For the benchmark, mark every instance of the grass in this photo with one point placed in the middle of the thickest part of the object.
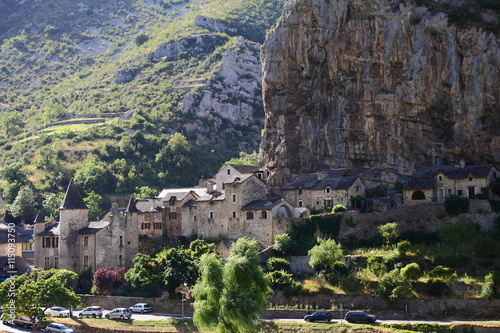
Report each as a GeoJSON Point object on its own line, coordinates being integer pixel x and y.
{"type": "Point", "coordinates": [186, 325]}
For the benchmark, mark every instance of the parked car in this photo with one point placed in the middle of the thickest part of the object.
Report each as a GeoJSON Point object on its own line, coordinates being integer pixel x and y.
{"type": "Point", "coordinates": [57, 311]}
{"type": "Point", "coordinates": [91, 311]}
{"type": "Point", "coordinates": [359, 317]}
{"type": "Point", "coordinates": [119, 313]}
{"type": "Point", "coordinates": [56, 327]}
{"type": "Point", "coordinates": [140, 307]}
{"type": "Point", "coordinates": [24, 321]}
{"type": "Point", "coordinates": [319, 316]}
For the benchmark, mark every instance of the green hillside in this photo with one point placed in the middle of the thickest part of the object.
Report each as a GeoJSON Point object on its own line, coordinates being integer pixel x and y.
{"type": "Point", "coordinates": [61, 107]}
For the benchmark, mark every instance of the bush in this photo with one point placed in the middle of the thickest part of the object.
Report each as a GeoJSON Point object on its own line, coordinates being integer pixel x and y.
{"type": "Point", "coordinates": [440, 272]}
{"type": "Point", "coordinates": [411, 272]}
{"type": "Point", "coordinates": [491, 285]}
{"type": "Point", "coordinates": [376, 267]}
{"type": "Point", "coordinates": [281, 280]}
{"type": "Point", "coordinates": [338, 209]}
{"type": "Point", "coordinates": [338, 272]}
{"type": "Point", "coordinates": [278, 264]}
{"type": "Point", "coordinates": [437, 288]}
{"type": "Point", "coordinates": [389, 232]}
{"type": "Point", "coordinates": [456, 205]}
{"type": "Point", "coordinates": [403, 247]}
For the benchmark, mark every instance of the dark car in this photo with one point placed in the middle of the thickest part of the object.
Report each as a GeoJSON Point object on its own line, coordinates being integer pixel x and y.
{"type": "Point", "coordinates": [319, 316]}
{"type": "Point", "coordinates": [359, 317]}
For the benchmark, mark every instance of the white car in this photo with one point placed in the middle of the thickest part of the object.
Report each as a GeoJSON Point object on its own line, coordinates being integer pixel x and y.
{"type": "Point", "coordinates": [140, 307]}
{"type": "Point", "coordinates": [56, 327]}
{"type": "Point", "coordinates": [119, 313]}
{"type": "Point", "coordinates": [91, 311]}
{"type": "Point", "coordinates": [57, 311]}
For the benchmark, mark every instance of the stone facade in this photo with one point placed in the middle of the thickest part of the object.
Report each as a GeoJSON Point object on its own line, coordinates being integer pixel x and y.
{"type": "Point", "coordinates": [75, 243]}
{"type": "Point", "coordinates": [435, 184]}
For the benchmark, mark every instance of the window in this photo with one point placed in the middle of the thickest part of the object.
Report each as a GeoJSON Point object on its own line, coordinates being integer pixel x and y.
{"type": "Point", "coordinates": [85, 261]}
{"type": "Point", "coordinates": [328, 203]}
{"type": "Point", "coordinates": [263, 214]}
{"type": "Point", "coordinates": [234, 215]}
{"type": "Point", "coordinates": [172, 201]}
{"type": "Point", "coordinates": [28, 246]}
{"type": "Point", "coordinates": [55, 242]}
{"type": "Point", "coordinates": [357, 188]}
{"type": "Point", "coordinates": [56, 262]}
{"type": "Point", "coordinates": [157, 226]}
{"type": "Point", "coordinates": [440, 178]}
{"type": "Point", "coordinates": [46, 242]}
{"type": "Point", "coordinates": [47, 262]}
{"type": "Point", "coordinates": [121, 241]}
{"type": "Point", "coordinates": [120, 260]}
{"type": "Point", "coordinates": [145, 225]}
{"type": "Point", "coordinates": [228, 171]}
{"type": "Point", "coordinates": [223, 186]}
{"type": "Point", "coordinates": [300, 203]}
{"type": "Point", "coordinates": [328, 189]}
{"type": "Point", "coordinates": [211, 215]}
{"type": "Point", "coordinates": [299, 191]}
{"type": "Point", "coordinates": [460, 192]}
{"type": "Point", "coordinates": [470, 178]}
{"type": "Point", "coordinates": [234, 197]}
{"type": "Point", "coordinates": [85, 241]}
{"type": "Point", "coordinates": [249, 215]}
{"type": "Point", "coordinates": [172, 215]}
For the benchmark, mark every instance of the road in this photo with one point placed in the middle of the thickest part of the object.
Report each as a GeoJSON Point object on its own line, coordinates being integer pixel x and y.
{"type": "Point", "coordinates": [156, 316]}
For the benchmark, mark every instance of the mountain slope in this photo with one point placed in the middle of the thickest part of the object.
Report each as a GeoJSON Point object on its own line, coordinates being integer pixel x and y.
{"type": "Point", "coordinates": [118, 79]}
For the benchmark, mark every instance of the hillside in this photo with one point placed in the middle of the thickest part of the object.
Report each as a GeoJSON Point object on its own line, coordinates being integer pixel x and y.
{"type": "Point", "coordinates": [113, 82]}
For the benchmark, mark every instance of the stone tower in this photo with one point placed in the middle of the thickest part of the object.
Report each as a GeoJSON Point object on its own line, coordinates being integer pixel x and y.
{"type": "Point", "coordinates": [73, 216]}
{"type": "Point", "coordinates": [132, 235]}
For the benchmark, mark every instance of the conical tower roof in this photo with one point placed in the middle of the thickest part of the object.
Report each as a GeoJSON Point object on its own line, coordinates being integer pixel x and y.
{"type": "Point", "coordinates": [72, 198]}
{"type": "Point", "coordinates": [39, 217]}
{"type": "Point", "coordinates": [132, 208]}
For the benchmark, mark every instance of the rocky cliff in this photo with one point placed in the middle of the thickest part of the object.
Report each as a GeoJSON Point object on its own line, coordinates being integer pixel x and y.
{"type": "Point", "coordinates": [377, 83]}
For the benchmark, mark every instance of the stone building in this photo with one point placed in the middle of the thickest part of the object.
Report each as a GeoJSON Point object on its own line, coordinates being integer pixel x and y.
{"type": "Point", "coordinates": [75, 243]}
{"type": "Point", "coordinates": [325, 189]}
{"type": "Point", "coordinates": [435, 184]}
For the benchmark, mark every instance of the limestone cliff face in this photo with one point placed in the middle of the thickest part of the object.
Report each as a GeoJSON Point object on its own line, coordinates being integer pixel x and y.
{"type": "Point", "coordinates": [377, 83]}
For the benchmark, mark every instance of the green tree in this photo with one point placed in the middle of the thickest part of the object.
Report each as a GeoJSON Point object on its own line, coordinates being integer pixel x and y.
{"type": "Point", "coordinates": [11, 123]}
{"type": "Point", "coordinates": [245, 159]}
{"type": "Point", "coordinates": [199, 247]}
{"type": "Point", "coordinates": [35, 292]}
{"type": "Point", "coordinates": [51, 205]}
{"type": "Point", "coordinates": [327, 259]}
{"type": "Point", "coordinates": [411, 272]}
{"type": "Point", "coordinates": [145, 192]}
{"type": "Point", "coordinates": [389, 232]}
{"type": "Point", "coordinates": [176, 267]}
{"type": "Point", "coordinates": [93, 202]}
{"type": "Point", "coordinates": [231, 298]}
{"type": "Point", "coordinates": [144, 273]}
{"type": "Point", "coordinates": [94, 176]}
{"type": "Point", "coordinates": [24, 204]}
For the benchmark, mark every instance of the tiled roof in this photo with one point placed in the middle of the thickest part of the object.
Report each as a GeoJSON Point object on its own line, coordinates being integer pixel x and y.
{"type": "Point", "coordinates": [149, 205]}
{"type": "Point", "coordinates": [420, 184]}
{"type": "Point", "coordinates": [72, 198]}
{"type": "Point", "coordinates": [239, 178]}
{"type": "Point", "coordinates": [180, 193]}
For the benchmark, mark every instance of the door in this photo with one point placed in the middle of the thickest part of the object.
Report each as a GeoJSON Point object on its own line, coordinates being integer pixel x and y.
{"type": "Point", "coordinates": [441, 194]}
{"type": "Point", "coordinates": [472, 192]}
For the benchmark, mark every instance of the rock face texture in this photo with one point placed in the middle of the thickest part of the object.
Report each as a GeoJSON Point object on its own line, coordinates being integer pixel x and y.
{"type": "Point", "coordinates": [377, 83]}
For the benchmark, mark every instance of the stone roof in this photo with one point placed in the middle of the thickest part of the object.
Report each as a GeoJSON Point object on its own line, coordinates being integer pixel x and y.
{"type": "Point", "coordinates": [420, 183]}
{"type": "Point", "coordinates": [242, 168]}
{"type": "Point", "coordinates": [239, 178]}
{"type": "Point", "coordinates": [51, 229]}
{"type": "Point", "coordinates": [72, 198]}
{"type": "Point", "coordinates": [262, 204]}
{"type": "Point", "coordinates": [149, 205]}
{"type": "Point", "coordinates": [21, 266]}
{"type": "Point", "coordinates": [94, 227]}
{"type": "Point", "coordinates": [334, 178]}
{"type": "Point", "coordinates": [423, 178]}
{"type": "Point", "coordinates": [23, 235]}
{"type": "Point", "coordinates": [132, 208]}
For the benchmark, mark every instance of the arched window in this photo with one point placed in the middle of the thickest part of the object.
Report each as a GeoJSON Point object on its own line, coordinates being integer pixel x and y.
{"type": "Point", "coordinates": [418, 195]}
{"type": "Point", "coordinates": [249, 215]}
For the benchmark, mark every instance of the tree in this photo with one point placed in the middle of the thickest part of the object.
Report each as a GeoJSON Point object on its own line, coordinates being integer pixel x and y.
{"type": "Point", "coordinates": [51, 205]}
{"type": "Point", "coordinates": [176, 267]}
{"type": "Point", "coordinates": [11, 123]}
{"type": "Point", "coordinates": [144, 273]}
{"type": "Point", "coordinates": [141, 39]}
{"type": "Point", "coordinates": [145, 192]}
{"type": "Point", "coordinates": [37, 291]}
{"type": "Point", "coordinates": [107, 280]}
{"type": "Point", "coordinates": [455, 205]}
{"type": "Point", "coordinates": [389, 232]}
{"type": "Point", "coordinates": [94, 176]}
{"type": "Point", "coordinates": [231, 297]}
{"type": "Point", "coordinates": [24, 204]}
{"type": "Point", "coordinates": [93, 202]}
{"type": "Point", "coordinates": [327, 259]}
{"type": "Point", "coordinates": [411, 272]}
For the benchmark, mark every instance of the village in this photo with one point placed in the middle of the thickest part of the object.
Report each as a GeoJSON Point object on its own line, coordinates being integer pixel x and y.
{"type": "Point", "coordinates": [234, 203]}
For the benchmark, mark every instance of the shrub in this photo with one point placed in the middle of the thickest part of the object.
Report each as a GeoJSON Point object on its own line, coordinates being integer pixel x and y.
{"type": "Point", "coordinates": [411, 272]}
{"type": "Point", "coordinates": [278, 264]}
{"type": "Point", "coordinates": [491, 285]}
{"type": "Point", "coordinates": [338, 272]}
{"type": "Point", "coordinates": [403, 247]}
{"type": "Point", "coordinates": [338, 209]}
{"type": "Point", "coordinates": [389, 232]}
{"type": "Point", "coordinates": [437, 287]}
{"type": "Point", "coordinates": [376, 267]}
{"type": "Point", "coordinates": [440, 272]}
{"type": "Point", "coordinates": [281, 280]}
{"type": "Point", "coordinates": [456, 205]}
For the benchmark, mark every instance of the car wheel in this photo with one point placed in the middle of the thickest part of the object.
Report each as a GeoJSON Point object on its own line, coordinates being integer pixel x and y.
{"type": "Point", "coordinates": [142, 311]}
{"type": "Point", "coordinates": [100, 316]}
{"type": "Point", "coordinates": [107, 316]}
{"type": "Point", "coordinates": [93, 315]}
{"type": "Point", "coordinates": [49, 331]}
{"type": "Point", "coordinates": [122, 317]}
{"type": "Point", "coordinates": [26, 326]}
{"type": "Point", "coordinates": [80, 316]}
{"type": "Point", "coordinates": [327, 320]}
{"type": "Point", "coordinates": [349, 320]}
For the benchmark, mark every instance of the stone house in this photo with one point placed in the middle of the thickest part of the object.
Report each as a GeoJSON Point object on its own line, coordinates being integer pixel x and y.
{"type": "Point", "coordinates": [325, 190]}
{"type": "Point", "coordinates": [435, 184]}
{"type": "Point", "coordinates": [75, 243]}
{"type": "Point", "coordinates": [12, 246]}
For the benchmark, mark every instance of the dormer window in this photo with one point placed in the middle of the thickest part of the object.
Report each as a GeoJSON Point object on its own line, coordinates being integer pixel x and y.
{"type": "Point", "coordinates": [328, 189]}
{"type": "Point", "coordinates": [470, 178]}
{"type": "Point", "coordinates": [172, 201]}
{"type": "Point", "coordinates": [299, 191]}
{"type": "Point", "coordinates": [440, 178]}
